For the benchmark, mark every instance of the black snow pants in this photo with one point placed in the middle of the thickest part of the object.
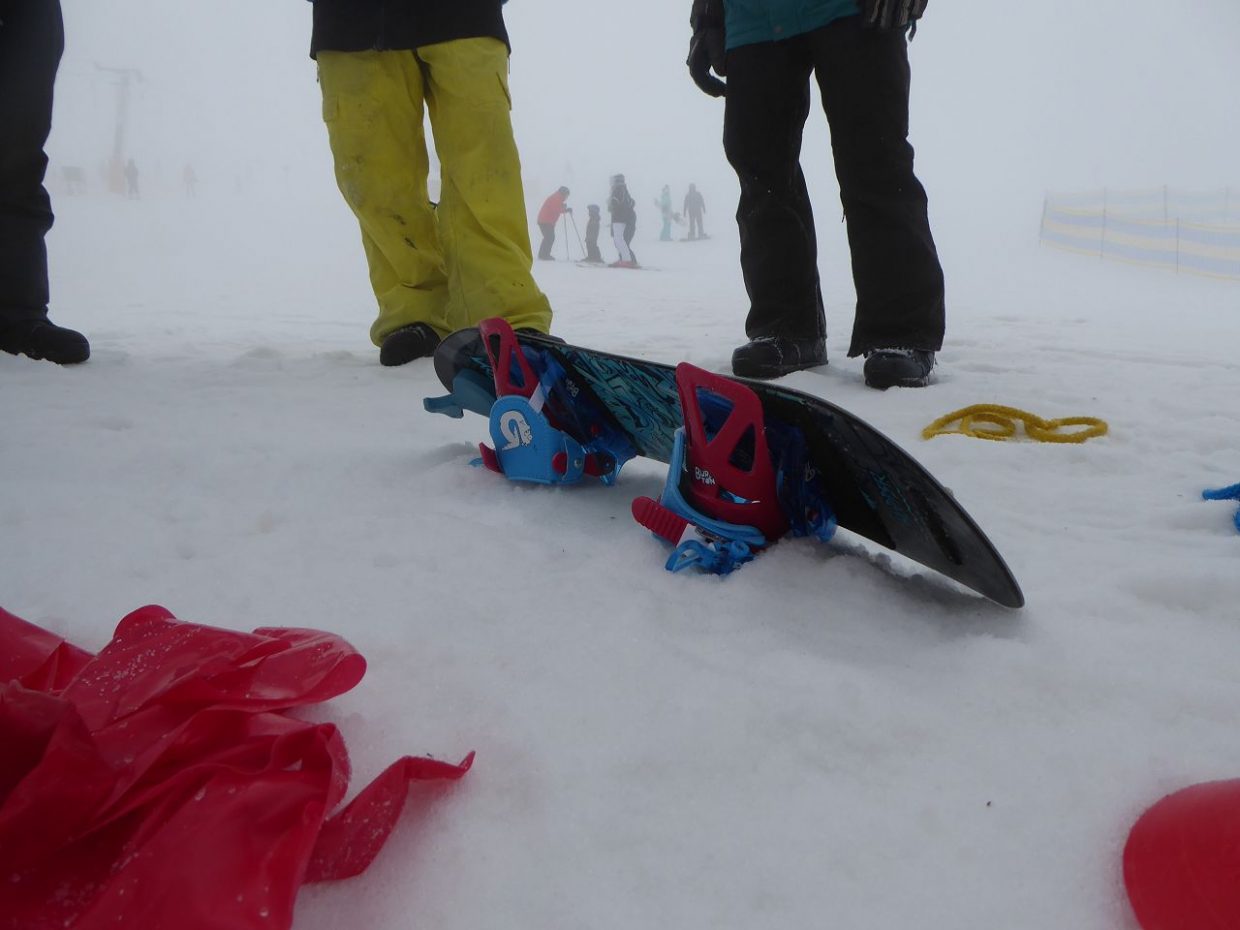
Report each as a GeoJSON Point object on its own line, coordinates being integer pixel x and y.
{"type": "Point", "coordinates": [863, 76]}
{"type": "Point", "coordinates": [31, 42]}
{"type": "Point", "coordinates": [548, 239]}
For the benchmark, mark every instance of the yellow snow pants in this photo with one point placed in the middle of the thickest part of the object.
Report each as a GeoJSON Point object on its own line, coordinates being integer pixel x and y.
{"type": "Point", "coordinates": [469, 258]}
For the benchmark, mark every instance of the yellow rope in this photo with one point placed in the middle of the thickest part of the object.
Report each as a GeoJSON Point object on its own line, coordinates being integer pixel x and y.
{"type": "Point", "coordinates": [993, 421]}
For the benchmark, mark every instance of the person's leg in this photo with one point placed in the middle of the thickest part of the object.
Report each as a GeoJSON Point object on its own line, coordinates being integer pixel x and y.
{"type": "Point", "coordinates": [31, 41]}
{"type": "Point", "coordinates": [619, 235]}
{"type": "Point", "coordinates": [548, 240]}
{"type": "Point", "coordinates": [864, 78]}
{"type": "Point", "coordinates": [592, 252]}
{"type": "Point", "coordinates": [482, 218]}
{"type": "Point", "coordinates": [766, 107]}
{"type": "Point", "coordinates": [372, 106]}
{"type": "Point", "coordinates": [630, 230]}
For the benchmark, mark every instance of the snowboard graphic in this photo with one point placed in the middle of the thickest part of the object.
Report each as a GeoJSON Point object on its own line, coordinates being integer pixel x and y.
{"type": "Point", "coordinates": [874, 488]}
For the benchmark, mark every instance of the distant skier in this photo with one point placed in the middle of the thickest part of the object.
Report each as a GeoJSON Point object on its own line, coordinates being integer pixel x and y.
{"type": "Point", "coordinates": [664, 203]}
{"type": "Point", "coordinates": [593, 255]}
{"type": "Point", "coordinates": [695, 209]}
{"type": "Point", "coordinates": [553, 208]}
{"type": "Point", "coordinates": [623, 210]}
{"type": "Point", "coordinates": [131, 180]}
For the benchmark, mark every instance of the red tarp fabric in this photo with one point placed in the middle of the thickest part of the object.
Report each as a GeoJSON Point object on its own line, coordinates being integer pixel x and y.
{"type": "Point", "coordinates": [1182, 860]}
{"type": "Point", "coordinates": [161, 783]}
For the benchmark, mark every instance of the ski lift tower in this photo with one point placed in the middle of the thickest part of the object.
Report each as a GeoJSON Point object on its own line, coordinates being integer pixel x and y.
{"type": "Point", "coordinates": [124, 78]}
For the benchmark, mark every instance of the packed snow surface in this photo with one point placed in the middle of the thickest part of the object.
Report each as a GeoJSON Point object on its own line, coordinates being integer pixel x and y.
{"type": "Point", "coordinates": [830, 736]}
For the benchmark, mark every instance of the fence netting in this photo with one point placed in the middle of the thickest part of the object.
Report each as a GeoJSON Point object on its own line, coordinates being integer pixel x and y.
{"type": "Point", "coordinates": [1192, 232]}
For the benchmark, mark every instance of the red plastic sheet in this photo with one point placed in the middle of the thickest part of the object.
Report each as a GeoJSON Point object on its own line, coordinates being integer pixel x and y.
{"type": "Point", "coordinates": [1182, 860]}
{"type": "Point", "coordinates": [161, 783]}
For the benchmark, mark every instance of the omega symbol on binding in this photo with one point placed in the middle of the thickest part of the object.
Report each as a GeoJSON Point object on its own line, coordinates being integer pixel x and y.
{"type": "Point", "coordinates": [515, 429]}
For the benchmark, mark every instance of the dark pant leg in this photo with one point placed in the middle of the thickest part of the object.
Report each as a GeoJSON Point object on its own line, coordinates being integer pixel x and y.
{"type": "Point", "coordinates": [31, 42]}
{"type": "Point", "coordinates": [766, 106]}
{"type": "Point", "coordinates": [630, 230]}
{"type": "Point", "coordinates": [548, 239]}
{"type": "Point", "coordinates": [864, 78]}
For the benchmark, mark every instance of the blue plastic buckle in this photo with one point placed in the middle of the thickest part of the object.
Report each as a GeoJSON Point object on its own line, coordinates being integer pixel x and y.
{"type": "Point", "coordinates": [1230, 493]}
{"type": "Point", "coordinates": [717, 556]}
{"type": "Point", "coordinates": [529, 448]}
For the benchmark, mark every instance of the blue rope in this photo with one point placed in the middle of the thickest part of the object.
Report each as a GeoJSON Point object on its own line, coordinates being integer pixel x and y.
{"type": "Point", "coordinates": [1231, 493]}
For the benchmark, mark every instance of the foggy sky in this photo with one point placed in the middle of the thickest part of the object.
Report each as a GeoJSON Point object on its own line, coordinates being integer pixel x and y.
{"type": "Point", "coordinates": [1009, 99]}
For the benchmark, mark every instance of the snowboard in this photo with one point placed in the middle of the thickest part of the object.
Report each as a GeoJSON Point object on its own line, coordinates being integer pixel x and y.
{"type": "Point", "coordinates": [875, 488]}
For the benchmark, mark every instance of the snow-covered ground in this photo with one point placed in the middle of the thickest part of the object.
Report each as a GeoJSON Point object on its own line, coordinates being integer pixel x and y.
{"type": "Point", "coordinates": [824, 739]}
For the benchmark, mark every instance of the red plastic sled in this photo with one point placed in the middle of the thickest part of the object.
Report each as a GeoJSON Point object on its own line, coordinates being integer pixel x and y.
{"type": "Point", "coordinates": [1182, 860]}
{"type": "Point", "coordinates": [162, 783]}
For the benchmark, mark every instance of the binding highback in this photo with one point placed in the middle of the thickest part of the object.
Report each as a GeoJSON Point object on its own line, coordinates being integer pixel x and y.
{"type": "Point", "coordinates": [729, 474]}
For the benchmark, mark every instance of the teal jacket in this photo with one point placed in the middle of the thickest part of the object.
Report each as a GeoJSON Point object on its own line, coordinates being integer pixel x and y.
{"type": "Point", "coordinates": [750, 21]}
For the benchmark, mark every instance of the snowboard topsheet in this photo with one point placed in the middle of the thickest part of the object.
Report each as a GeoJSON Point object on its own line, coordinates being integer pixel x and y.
{"type": "Point", "coordinates": [876, 489]}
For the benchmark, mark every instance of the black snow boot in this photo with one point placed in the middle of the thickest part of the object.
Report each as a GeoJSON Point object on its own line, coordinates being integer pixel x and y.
{"type": "Point", "coordinates": [401, 346]}
{"type": "Point", "coordinates": [773, 356]}
{"type": "Point", "coordinates": [43, 339]}
{"type": "Point", "coordinates": [886, 368]}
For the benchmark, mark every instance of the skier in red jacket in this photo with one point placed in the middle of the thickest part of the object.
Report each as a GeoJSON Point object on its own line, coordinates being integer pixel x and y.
{"type": "Point", "coordinates": [553, 208]}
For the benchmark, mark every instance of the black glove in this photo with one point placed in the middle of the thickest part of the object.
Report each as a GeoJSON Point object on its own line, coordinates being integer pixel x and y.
{"type": "Point", "coordinates": [707, 47]}
{"type": "Point", "coordinates": [892, 14]}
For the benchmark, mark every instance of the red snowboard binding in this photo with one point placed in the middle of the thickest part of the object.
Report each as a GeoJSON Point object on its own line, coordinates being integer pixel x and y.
{"type": "Point", "coordinates": [720, 505]}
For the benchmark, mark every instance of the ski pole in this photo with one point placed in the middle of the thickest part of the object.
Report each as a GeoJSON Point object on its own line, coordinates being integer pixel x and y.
{"type": "Point", "coordinates": [564, 229]}
{"type": "Point", "coordinates": [580, 244]}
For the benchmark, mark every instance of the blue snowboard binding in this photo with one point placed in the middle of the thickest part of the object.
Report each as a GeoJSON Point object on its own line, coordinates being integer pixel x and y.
{"type": "Point", "coordinates": [544, 429]}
